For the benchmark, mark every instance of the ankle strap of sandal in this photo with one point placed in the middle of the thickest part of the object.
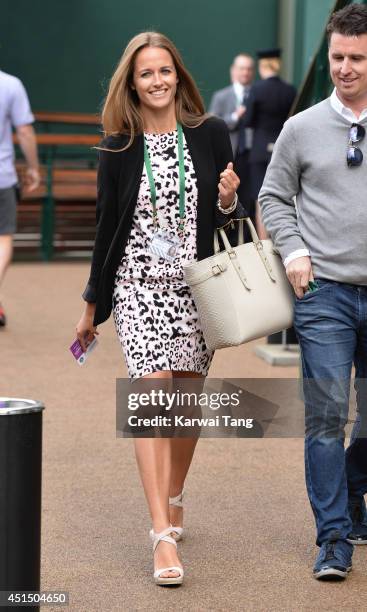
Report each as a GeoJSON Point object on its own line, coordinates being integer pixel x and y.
{"type": "Point", "coordinates": [178, 530]}
{"type": "Point", "coordinates": [177, 501]}
{"type": "Point", "coordinates": [162, 536]}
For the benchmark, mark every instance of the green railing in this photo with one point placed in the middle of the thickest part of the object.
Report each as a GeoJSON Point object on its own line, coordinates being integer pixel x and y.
{"type": "Point", "coordinates": [317, 84]}
{"type": "Point", "coordinates": [48, 154]}
{"type": "Point", "coordinates": [65, 156]}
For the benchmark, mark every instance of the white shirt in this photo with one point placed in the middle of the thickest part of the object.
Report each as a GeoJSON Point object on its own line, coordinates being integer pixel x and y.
{"type": "Point", "coordinates": [348, 114]}
{"type": "Point", "coordinates": [344, 111]}
{"type": "Point", "coordinates": [239, 90]}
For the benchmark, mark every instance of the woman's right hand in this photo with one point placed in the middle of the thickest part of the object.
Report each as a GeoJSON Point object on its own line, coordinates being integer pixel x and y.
{"type": "Point", "coordinates": [85, 330]}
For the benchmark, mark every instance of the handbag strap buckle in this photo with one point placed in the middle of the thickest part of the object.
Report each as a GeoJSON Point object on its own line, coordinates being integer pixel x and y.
{"type": "Point", "coordinates": [218, 269]}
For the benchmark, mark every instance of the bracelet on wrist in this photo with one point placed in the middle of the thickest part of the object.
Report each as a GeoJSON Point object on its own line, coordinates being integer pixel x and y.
{"type": "Point", "coordinates": [230, 208]}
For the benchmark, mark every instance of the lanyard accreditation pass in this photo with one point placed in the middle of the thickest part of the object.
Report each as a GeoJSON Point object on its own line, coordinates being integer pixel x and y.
{"type": "Point", "coordinates": [181, 170]}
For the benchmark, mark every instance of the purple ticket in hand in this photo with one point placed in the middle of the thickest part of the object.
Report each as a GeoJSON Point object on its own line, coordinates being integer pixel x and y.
{"type": "Point", "coordinates": [79, 354]}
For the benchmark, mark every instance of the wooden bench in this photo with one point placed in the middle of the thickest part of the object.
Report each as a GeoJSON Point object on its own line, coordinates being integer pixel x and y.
{"type": "Point", "coordinates": [62, 184]}
{"type": "Point", "coordinates": [67, 183]}
{"type": "Point", "coordinates": [72, 222]}
{"type": "Point", "coordinates": [68, 118]}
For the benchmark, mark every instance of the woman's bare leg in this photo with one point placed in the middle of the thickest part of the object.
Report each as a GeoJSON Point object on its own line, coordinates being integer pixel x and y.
{"type": "Point", "coordinates": [153, 457]}
{"type": "Point", "coordinates": [182, 451]}
{"type": "Point", "coordinates": [6, 251]}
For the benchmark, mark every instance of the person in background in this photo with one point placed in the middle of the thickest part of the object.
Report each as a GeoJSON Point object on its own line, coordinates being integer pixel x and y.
{"type": "Point", "coordinates": [15, 112]}
{"type": "Point", "coordinates": [320, 158]}
{"type": "Point", "coordinates": [267, 108]}
{"type": "Point", "coordinates": [230, 104]}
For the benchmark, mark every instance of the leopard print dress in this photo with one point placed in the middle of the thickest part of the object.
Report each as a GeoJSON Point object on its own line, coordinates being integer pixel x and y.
{"type": "Point", "coordinates": [155, 316]}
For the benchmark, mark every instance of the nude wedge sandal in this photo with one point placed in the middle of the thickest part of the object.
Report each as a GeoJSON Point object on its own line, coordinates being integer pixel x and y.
{"type": "Point", "coordinates": [158, 578]}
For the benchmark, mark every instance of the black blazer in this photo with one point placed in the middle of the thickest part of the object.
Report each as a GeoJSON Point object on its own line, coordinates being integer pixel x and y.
{"type": "Point", "coordinates": [267, 108]}
{"type": "Point", "coordinates": [118, 183]}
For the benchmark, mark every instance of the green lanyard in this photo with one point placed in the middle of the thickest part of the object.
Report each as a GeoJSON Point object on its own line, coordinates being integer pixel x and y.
{"type": "Point", "coordinates": [181, 170]}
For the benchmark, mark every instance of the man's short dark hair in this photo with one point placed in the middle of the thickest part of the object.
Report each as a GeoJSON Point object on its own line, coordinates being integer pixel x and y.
{"type": "Point", "coordinates": [349, 21]}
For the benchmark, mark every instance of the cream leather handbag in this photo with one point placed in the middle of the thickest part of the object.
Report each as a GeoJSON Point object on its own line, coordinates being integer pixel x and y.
{"type": "Point", "coordinates": [242, 292]}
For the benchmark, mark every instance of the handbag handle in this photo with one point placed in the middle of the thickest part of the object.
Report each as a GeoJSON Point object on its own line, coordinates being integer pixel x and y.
{"type": "Point", "coordinates": [256, 241]}
{"type": "Point", "coordinates": [240, 234]}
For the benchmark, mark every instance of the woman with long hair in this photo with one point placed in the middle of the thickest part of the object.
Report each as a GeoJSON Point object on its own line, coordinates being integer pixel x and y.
{"type": "Point", "coordinates": [165, 181]}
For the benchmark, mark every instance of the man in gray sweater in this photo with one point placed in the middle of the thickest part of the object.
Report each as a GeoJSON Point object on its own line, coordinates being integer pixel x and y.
{"type": "Point", "coordinates": [314, 205]}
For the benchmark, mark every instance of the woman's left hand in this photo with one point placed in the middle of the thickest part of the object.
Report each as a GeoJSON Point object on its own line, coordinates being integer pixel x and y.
{"type": "Point", "coordinates": [228, 185]}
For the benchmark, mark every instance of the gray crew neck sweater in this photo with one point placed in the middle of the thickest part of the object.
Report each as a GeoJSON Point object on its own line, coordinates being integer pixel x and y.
{"type": "Point", "coordinates": [309, 162]}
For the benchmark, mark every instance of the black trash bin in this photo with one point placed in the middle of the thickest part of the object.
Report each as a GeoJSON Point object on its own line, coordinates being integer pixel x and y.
{"type": "Point", "coordinates": [20, 495]}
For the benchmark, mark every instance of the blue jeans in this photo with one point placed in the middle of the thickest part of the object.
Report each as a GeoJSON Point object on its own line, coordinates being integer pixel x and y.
{"type": "Point", "coordinates": [331, 325]}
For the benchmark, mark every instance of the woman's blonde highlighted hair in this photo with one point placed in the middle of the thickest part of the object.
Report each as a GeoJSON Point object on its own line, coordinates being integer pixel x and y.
{"type": "Point", "coordinates": [270, 63]}
{"type": "Point", "coordinates": [121, 113]}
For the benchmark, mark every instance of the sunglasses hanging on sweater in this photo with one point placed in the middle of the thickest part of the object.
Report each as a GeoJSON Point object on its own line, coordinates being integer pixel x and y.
{"type": "Point", "coordinates": [354, 154]}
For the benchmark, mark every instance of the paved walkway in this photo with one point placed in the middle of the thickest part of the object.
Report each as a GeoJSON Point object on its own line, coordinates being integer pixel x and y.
{"type": "Point", "coordinates": [250, 533]}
